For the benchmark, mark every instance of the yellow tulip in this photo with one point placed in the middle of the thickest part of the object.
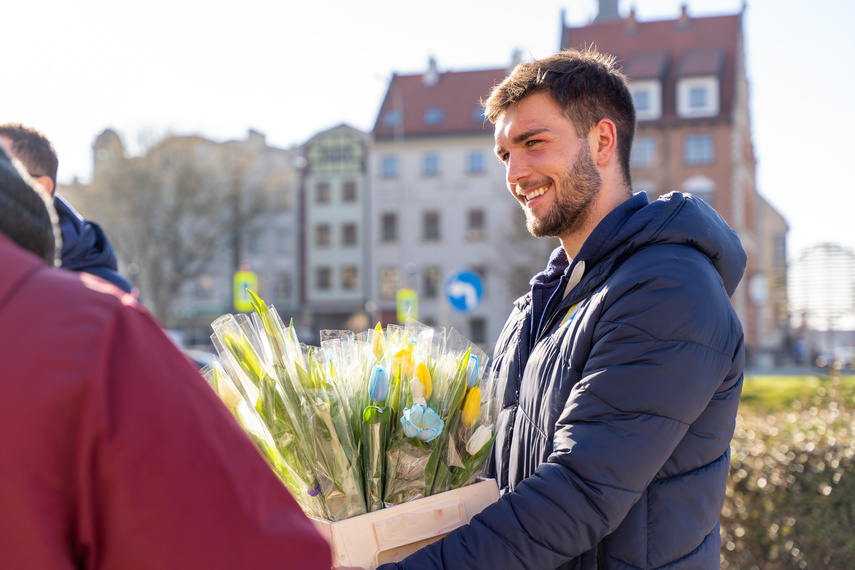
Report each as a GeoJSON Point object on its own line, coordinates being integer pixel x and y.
{"type": "Point", "coordinates": [471, 407]}
{"type": "Point", "coordinates": [378, 346]}
{"type": "Point", "coordinates": [423, 374]}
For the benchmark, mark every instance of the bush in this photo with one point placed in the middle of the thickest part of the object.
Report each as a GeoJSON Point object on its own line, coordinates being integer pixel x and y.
{"type": "Point", "coordinates": [791, 495]}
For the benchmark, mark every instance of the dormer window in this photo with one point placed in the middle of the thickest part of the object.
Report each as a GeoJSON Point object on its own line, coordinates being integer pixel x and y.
{"type": "Point", "coordinates": [697, 97]}
{"type": "Point", "coordinates": [434, 115]}
{"type": "Point", "coordinates": [393, 118]}
{"type": "Point", "coordinates": [647, 96]}
{"type": "Point", "coordinates": [698, 82]}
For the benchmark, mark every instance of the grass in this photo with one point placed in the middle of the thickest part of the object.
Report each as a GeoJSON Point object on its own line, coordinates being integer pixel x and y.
{"type": "Point", "coordinates": [773, 393]}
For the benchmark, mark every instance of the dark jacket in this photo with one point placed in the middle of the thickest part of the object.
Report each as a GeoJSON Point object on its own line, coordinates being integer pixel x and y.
{"type": "Point", "coordinates": [85, 246]}
{"type": "Point", "coordinates": [618, 402]}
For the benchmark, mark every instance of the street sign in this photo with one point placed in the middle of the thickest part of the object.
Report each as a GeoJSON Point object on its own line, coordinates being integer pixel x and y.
{"type": "Point", "coordinates": [244, 280]}
{"type": "Point", "coordinates": [464, 291]}
{"type": "Point", "coordinates": [407, 301]}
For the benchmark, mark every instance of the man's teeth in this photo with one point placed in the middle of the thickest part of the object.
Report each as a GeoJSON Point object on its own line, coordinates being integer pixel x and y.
{"type": "Point", "coordinates": [534, 193]}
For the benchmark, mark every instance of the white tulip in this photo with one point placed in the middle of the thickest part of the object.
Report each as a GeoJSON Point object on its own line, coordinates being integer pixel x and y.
{"type": "Point", "coordinates": [478, 439]}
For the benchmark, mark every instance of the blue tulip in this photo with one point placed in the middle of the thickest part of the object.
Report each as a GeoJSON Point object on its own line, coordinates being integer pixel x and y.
{"type": "Point", "coordinates": [378, 385]}
{"type": "Point", "coordinates": [422, 422]}
{"type": "Point", "coordinates": [472, 371]}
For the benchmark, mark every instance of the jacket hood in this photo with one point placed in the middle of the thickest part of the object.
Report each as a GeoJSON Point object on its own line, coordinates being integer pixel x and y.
{"type": "Point", "coordinates": [674, 218]}
{"type": "Point", "coordinates": [84, 243]}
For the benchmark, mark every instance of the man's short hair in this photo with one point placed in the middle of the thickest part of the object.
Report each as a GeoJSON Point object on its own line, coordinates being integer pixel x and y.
{"type": "Point", "coordinates": [588, 85]}
{"type": "Point", "coordinates": [27, 215]}
{"type": "Point", "coordinates": [33, 149]}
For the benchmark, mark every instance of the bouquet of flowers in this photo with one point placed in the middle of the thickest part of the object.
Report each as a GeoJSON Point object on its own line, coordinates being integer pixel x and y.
{"type": "Point", "coordinates": [365, 421]}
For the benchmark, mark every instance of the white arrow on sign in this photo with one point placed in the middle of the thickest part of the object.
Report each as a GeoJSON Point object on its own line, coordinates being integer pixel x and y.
{"type": "Point", "coordinates": [465, 290]}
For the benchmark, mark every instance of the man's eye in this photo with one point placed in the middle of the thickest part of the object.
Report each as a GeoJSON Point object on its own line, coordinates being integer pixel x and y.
{"type": "Point", "coordinates": [532, 142]}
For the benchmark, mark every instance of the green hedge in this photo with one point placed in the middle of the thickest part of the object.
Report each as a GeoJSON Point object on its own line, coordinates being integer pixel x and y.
{"type": "Point", "coordinates": [791, 495]}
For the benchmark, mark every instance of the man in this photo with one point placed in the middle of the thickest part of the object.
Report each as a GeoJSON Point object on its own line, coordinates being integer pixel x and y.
{"type": "Point", "coordinates": [115, 452]}
{"type": "Point", "coordinates": [620, 372]}
{"type": "Point", "coordinates": [85, 246]}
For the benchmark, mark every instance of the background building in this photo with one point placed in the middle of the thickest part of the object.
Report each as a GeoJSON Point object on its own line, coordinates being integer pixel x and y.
{"type": "Point", "coordinates": [691, 92]}
{"type": "Point", "coordinates": [440, 204]}
{"type": "Point", "coordinates": [334, 227]}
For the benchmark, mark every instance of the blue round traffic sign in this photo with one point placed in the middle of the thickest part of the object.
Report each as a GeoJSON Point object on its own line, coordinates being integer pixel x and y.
{"type": "Point", "coordinates": [464, 290]}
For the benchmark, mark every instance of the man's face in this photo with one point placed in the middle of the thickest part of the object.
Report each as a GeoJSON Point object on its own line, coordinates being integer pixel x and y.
{"type": "Point", "coordinates": [549, 168]}
{"type": "Point", "coordinates": [43, 180]}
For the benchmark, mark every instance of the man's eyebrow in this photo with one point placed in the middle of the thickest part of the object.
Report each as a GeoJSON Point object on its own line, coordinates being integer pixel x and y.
{"type": "Point", "coordinates": [520, 138]}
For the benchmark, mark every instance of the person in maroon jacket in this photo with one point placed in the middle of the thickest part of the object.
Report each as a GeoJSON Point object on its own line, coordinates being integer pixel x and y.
{"type": "Point", "coordinates": [115, 452]}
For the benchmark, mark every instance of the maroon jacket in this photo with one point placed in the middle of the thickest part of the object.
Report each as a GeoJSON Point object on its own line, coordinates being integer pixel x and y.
{"type": "Point", "coordinates": [114, 452]}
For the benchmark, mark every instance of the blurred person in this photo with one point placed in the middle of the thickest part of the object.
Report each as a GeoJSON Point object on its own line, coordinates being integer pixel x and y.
{"type": "Point", "coordinates": [85, 246]}
{"type": "Point", "coordinates": [620, 372]}
{"type": "Point", "coordinates": [116, 453]}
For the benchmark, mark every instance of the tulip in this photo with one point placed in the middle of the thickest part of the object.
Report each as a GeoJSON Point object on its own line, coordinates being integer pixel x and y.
{"type": "Point", "coordinates": [404, 358]}
{"type": "Point", "coordinates": [471, 407]}
{"type": "Point", "coordinates": [378, 346]}
{"type": "Point", "coordinates": [378, 385]}
{"type": "Point", "coordinates": [422, 422]}
{"type": "Point", "coordinates": [417, 390]}
{"type": "Point", "coordinates": [423, 375]}
{"type": "Point", "coordinates": [478, 439]}
{"type": "Point", "coordinates": [472, 371]}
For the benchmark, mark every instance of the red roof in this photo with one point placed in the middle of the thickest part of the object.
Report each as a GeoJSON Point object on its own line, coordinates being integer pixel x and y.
{"type": "Point", "coordinates": [450, 106]}
{"type": "Point", "coordinates": [668, 50]}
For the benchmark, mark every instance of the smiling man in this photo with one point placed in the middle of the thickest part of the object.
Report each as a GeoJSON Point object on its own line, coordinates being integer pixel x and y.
{"type": "Point", "coordinates": [620, 371]}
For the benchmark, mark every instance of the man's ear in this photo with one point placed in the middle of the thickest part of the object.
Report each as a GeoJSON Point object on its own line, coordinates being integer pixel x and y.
{"type": "Point", "coordinates": [46, 183]}
{"type": "Point", "coordinates": [604, 141]}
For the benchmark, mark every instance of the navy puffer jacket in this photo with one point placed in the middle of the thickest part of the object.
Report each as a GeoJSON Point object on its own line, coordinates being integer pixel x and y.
{"type": "Point", "coordinates": [618, 402]}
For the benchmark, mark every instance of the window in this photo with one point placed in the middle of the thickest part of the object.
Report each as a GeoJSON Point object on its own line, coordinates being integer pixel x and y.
{"type": "Point", "coordinates": [642, 100]}
{"type": "Point", "coordinates": [323, 278]}
{"type": "Point", "coordinates": [430, 164]}
{"type": "Point", "coordinates": [348, 234]}
{"type": "Point", "coordinates": [475, 162]}
{"type": "Point", "coordinates": [478, 329]}
{"type": "Point", "coordinates": [698, 149]}
{"type": "Point", "coordinates": [643, 152]}
{"type": "Point", "coordinates": [434, 115]}
{"type": "Point", "coordinates": [348, 191]}
{"type": "Point", "coordinates": [475, 226]}
{"type": "Point", "coordinates": [283, 286]}
{"type": "Point", "coordinates": [430, 226]}
{"type": "Point", "coordinates": [283, 241]}
{"type": "Point", "coordinates": [478, 114]}
{"type": "Point", "coordinates": [647, 96]}
{"type": "Point", "coordinates": [388, 282]}
{"type": "Point", "coordinates": [389, 227]}
{"type": "Point", "coordinates": [322, 193]}
{"type": "Point", "coordinates": [393, 118]}
{"type": "Point", "coordinates": [254, 241]}
{"type": "Point", "coordinates": [389, 167]}
{"type": "Point", "coordinates": [697, 97]}
{"type": "Point", "coordinates": [430, 282]}
{"type": "Point", "coordinates": [322, 235]}
{"type": "Point", "coordinates": [349, 277]}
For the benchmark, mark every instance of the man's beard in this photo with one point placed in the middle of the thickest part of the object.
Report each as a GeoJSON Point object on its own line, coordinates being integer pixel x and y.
{"type": "Point", "coordinates": [572, 205]}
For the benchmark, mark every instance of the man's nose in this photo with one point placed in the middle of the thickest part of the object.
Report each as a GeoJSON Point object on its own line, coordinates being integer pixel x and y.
{"type": "Point", "coordinates": [517, 169]}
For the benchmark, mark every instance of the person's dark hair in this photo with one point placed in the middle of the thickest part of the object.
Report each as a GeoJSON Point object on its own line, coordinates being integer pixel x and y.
{"type": "Point", "coordinates": [588, 85]}
{"type": "Point", "coordinates": [33, 149]}
{"type": "Point", "coordinates": [27, 215]}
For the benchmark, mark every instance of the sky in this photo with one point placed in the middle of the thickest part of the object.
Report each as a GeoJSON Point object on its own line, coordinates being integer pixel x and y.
{"type": "Point", "coordinates": [291, 69]}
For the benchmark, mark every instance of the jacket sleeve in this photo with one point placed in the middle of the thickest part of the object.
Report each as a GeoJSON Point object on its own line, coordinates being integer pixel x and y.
{"type": "Point", "coordinates": [652, 349]}
{"type": "Point", "coordinates": [173, 480]}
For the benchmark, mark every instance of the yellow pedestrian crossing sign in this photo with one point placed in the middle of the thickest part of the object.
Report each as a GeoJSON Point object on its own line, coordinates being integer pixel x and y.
{"type": "Point", "coordinates": [407, 302]}
{"type": "Point", "coordinates": [244, 280]}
